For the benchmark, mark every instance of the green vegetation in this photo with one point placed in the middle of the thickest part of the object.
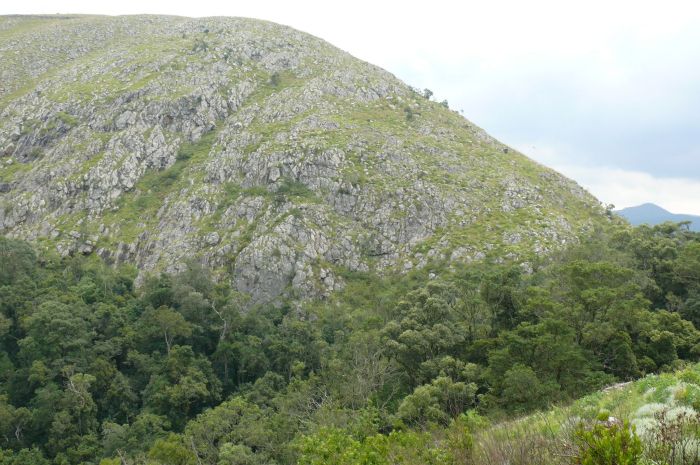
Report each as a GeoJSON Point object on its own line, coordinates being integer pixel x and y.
{"type": "Point", "coordinates": [405, 369]}
{"type": "Point", "coordinates": [608, 445]}
{"type": "Point", "coordinates": [293, 189]}
{"type": "Point", "coordinates": [448, 363]}
{"type": "Point", "coordinates": [67, 119]}
{"type": "Point", "coordinates": [153, 187]}
{"type": "Point", "coordinates": [198, 149]}
{"type": "Point", "coordinates": [9, 172]}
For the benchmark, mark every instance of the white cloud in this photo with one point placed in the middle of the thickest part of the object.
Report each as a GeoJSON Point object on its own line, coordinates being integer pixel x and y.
{"type": "Point", "coordinates": [630, 188]}
{"type": "Point", "coordinates": [623, 188]}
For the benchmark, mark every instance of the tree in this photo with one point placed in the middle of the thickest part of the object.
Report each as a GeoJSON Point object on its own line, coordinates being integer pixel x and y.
{"type": "Point", "coordinates": [13, 422]}
{"type": "Point", "coordinates": [17, 259]}
{"type": "Point", "coordinates": [23, 457]}
{"type": "Point", "coordinates": [172, 451]}
{"type": "Point", "coordinates": [472, 309]}
{"type": "Point", "coordinates": [438, 402]}
{"type": "Point", "coordinates": [58, 333]}
{"type": "Point", "coordinates": [500, 290]}
{"type": "Point", "coordinates": [523, 391]}
{"type": "Point", "coordinates": [362, 370]}
{"type": "Point", "coordinates": [73, 432]}
{"type": "Point", "coordinates": [182, 385]}
{"type": "Point", "coordinates": [613, 348]}
{"type": "Point", "coordinates": [425, 327]}
{"type": "Point", "coordinates": [235, 422]}
{"type": "Point", "coordinates": [157, 291]}
{"type": "Point", "coordinates": [686, 269]}
{"type": "Point", "coordinates": [238, 454]}
{"type": "Point", "coordinates": [169, 323]}
{"type": "Point", "coordinates": [549, 349]}
{"type": "Point", "coordinates": [134, 438]}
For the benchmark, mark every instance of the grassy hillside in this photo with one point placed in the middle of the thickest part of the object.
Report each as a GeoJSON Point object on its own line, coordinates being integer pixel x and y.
{"type": "Point", "coordinates": [654, 420]}
{"type": "Point", "coordinates": [662, 410]}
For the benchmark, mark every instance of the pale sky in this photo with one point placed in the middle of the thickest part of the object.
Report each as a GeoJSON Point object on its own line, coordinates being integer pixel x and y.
{"type": "Point", "coordinates": [606, 92]}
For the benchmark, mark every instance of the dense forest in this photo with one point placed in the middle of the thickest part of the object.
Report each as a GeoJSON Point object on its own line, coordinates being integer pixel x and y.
{"type": "Point", "coordinates": [180, 370]}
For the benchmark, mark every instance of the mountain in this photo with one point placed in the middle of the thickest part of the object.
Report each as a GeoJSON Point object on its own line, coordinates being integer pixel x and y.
{"type": "Point", "coordinates": [651, 214]}
{"type": "Point", "coordinates": [265, 153]}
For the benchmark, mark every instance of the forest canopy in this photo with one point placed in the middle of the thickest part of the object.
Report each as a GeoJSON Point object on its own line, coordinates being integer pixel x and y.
{"type": "Point", "coordinates": [182, 370]}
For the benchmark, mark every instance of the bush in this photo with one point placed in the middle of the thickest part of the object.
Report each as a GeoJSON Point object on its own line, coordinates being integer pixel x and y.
{"type": "Point", "coordinates": [333, 446]}
{"type": "Point", "coordinates": [290, 188]}
{"type": "Point", "coordinates": [607, 444]}
{"type": "Point", "coordinates": [672, 437]}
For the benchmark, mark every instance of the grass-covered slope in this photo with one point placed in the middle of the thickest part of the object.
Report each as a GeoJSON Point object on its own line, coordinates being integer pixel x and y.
{"type": "Point", "coordinates": [663, 411]}
{"type": "Point", "coordinates": [655, 420]}
{"type": "Point", "coordinates": [261, 151]}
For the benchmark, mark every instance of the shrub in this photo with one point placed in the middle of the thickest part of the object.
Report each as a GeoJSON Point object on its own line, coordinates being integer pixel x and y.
{"type": "Point", "coordinates": [290, 188]}
{"type": "Point", "coordinates": [200, 46]}
{"type": "Point", "coordinates": [523, 443]}
{"type": "Point", "coordinates": [607, 444]}
{"type": "Point", "coordinates": [333, 446]}
{"type": "Point", "coordinates": [672, 437]}
{"type": "Point", "coordinates": [460, 440]}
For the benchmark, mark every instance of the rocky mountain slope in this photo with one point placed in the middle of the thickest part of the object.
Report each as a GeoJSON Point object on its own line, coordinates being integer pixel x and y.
{"type": "Point", "coordinates": [268, 154]}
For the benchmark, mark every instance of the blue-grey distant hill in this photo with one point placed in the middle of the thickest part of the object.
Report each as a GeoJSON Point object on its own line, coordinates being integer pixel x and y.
{"type": "Point", "coordinates": [651, 214]}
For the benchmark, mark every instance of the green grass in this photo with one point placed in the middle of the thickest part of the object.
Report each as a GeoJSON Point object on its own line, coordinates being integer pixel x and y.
{"type": "Point", "coordinates": [197, 150]}
{"type": "Point", "coordinates": [291, 189]}
{"type": "Point", "coordinates": [87, 165]}
{"type": "Point", "coordinates": [108, 85]}
{"type": "Point", "coordinates": [9, 172]}
{"type": "Point", "coordinates": [229, 193]}
{"type": "Point", "coordinates": [256, 191]}
{"type": "Point", "coordinates": [546, 437]}
{"type": "Point", "coordinates": [137, 210]}
{"type": "Point", "coordinates": [628, 401]}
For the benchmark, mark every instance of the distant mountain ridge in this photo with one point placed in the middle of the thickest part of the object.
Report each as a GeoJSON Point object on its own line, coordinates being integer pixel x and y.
{"type": "Point", "coordinates": [652, 214]}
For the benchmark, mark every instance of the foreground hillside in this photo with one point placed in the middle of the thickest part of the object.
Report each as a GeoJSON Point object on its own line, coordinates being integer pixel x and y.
{"type": "Point", "coordinates": [264, 153]}
{"type": "Point", "coordinates": [663, 411]}
{"type": "Point", "coordinates": [655, 420]}
{"type": "Point", "coordinates": [405, 369]}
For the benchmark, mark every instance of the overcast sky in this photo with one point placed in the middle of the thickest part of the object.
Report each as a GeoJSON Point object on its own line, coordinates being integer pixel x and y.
{"type": "Point", "coordinates": [606, 92]}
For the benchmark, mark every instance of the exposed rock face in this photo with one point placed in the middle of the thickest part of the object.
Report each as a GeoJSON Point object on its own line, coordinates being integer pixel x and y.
{"type": "Point", "coordinates": [264, 152]}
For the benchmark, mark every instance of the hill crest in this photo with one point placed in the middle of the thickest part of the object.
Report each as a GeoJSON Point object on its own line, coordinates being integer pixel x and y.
{"type": "Point", "coordinates": [261, 151]}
